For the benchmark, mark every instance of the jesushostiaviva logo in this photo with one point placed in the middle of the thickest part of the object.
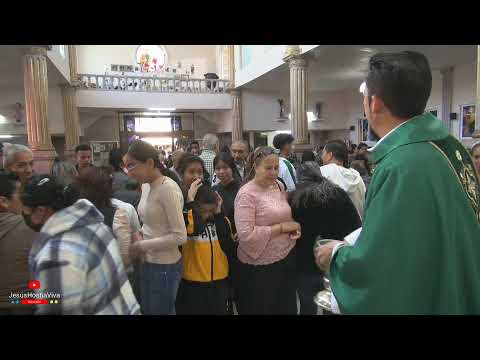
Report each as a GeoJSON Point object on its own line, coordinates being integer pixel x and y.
{"type": "Point", "coordinates": [36, 297]}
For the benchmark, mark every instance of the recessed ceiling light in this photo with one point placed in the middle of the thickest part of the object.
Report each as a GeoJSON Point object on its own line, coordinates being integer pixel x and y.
{"type": "Point", "coordinates": [161, 109]}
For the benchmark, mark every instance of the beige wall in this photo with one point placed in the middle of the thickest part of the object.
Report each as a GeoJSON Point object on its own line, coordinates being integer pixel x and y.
{"type": "Point", "coordinates": [8, 98]}
{"type": "Point", "coordinates": [104, 129]}
{"type": "Point", "coordinates": [92, 59]}
{"type": "Point", "coordinates": [342, 109]}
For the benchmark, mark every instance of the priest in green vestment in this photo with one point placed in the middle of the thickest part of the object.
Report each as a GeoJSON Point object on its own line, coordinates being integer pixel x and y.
{"type": "Point", "coordinates": [419, 248]}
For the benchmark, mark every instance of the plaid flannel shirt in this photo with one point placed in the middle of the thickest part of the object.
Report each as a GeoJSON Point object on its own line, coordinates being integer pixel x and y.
{"type": "Point", "coordinates": [207, 156]}
{"type": "Point", "coordinates": [77, 256]}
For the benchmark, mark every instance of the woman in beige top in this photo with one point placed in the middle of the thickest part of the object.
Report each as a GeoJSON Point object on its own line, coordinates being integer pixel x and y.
{"type": "Point", "coordinates": [163, 230]}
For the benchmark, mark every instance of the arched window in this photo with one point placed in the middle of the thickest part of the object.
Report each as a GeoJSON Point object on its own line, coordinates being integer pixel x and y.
{"type": "Point", "coordinates": [151, 57]}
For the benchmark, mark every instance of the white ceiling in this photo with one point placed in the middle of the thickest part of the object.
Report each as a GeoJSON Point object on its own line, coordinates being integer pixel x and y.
{"type": "Point", "coordinates": [11, 68]}
{"type": "Point", "coordinates": [337, 67]}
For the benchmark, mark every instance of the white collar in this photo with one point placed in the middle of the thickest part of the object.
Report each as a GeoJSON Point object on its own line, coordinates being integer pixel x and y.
{"type": "Point", "coordinates": [386, 135]}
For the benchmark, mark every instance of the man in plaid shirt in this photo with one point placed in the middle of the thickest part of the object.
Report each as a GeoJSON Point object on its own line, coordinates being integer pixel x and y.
{"type": "Point", "coordinates": [210, 145]}
{"type": "Point", "coordinates": [76, 254]}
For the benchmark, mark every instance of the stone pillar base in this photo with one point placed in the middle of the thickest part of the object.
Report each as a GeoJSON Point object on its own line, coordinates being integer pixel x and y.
{"type": "Point", "coordinates": [43, 160]}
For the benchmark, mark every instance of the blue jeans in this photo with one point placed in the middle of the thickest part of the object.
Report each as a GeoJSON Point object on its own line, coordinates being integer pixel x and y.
{"type": "Point", "coordinates": [158, 287]}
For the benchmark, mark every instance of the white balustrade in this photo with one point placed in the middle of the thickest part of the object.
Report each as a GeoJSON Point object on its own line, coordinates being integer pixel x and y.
{"type": "Point", "coordinates": [131, 83]}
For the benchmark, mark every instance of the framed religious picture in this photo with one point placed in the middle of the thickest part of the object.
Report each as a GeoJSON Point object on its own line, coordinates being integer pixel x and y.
{"type": "Point", "coordinates": [363, 130]}
{"type": "Point", "coordinates": [467, 121]}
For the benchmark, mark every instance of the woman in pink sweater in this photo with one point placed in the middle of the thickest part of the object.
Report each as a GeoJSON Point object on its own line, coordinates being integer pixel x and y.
{"type": "Point", "coordinates": [267, 236]}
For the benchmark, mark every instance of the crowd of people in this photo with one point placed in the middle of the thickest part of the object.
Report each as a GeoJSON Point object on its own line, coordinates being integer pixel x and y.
{"type": "Point", "coordinates": [234, 231]}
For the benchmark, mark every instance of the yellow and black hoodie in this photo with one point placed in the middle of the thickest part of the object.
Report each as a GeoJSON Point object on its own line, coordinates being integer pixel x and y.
{"type": "Point", "coordinates": [204, 287]}
{"type": "Point", "coordinates": [208, 244]}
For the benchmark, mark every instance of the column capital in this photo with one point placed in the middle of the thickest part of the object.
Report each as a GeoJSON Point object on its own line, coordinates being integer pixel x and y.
{"type": "Point", "coordinates": [72, 87]}
{"type": "Point", "coordinates": [291, 50]}
{"type": "Point", "coordinates": [36, 50]}
{"type": "Point", "coordinates": [234, 92]}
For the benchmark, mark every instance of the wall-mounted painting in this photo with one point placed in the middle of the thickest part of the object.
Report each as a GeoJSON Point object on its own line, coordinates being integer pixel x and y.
{"type": "Point", "coordinates": [363, 130]}
{"type": "Point", "coordinates": [467, 123]}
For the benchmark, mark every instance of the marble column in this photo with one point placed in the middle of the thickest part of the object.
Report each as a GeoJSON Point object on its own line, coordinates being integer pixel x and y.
{"type": "Point", "coordinates": [476, 134]}
{"type": "Point", "coordinates": [237, 123]}
{"type": "Point", "coordinates": [70, 116]}
{"type": "Point", "coordinates": [231, 65]}
{"type": "Point", "coordinates": [298, 97]}
{"type": "Point", "coordinates": [36, 101]}
{"type": "Point", "coordinates": [72, 62]}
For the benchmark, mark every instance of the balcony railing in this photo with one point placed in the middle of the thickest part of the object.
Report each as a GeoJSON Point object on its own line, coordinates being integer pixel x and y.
{"type": "Point", "coordinates": [177, 84]}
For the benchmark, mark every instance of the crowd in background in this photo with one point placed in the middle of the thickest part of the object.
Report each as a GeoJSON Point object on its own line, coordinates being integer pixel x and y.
{"type": "Point", "coordinates": [152, 235]}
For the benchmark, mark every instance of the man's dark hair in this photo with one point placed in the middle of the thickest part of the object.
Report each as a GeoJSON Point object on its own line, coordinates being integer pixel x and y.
{"type": "Point", "coordinates": [403, 81]}
{"type": "Point", "coordinates": [83, 147]}
{"type": "Point", "coordinates": [8, 183]}
{"type": "Point", "coordinates": [362, 146]}
{"type": "Point", "coordinates": [362, 159]}
{"type": "Point", "coordinates": [308, 155]}
{"type": "Point", "coordinates": [45, 190]}
{"type": "Point", "coordinates": [280, 140]}
{"type": "Point", "coordinates": [338, 149]}
{"type": "Point", "coordinates": [195, 142]}
{"type": "Point", "coordinates": [205, 195]}
{"type": "Point", "coordinates": [115, 159]}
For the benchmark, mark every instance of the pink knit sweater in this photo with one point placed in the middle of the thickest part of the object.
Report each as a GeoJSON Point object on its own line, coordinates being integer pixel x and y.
{"type": "Point", "coordinates": [256, 210]}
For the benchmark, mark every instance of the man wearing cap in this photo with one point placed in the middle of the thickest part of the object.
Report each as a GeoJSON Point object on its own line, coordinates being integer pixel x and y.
{"type": "Point", "coordinates": [419, 249]}
{"type": "Point", "coordinates": [75, 255]}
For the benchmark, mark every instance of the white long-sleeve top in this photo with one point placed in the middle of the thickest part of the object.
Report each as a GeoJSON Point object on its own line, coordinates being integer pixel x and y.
{"type": "Point", "coordinates": [161, 210]}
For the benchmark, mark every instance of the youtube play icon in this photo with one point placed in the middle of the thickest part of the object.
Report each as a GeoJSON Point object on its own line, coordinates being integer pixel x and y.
{"type": "Point", "coordinates": [34, 284]}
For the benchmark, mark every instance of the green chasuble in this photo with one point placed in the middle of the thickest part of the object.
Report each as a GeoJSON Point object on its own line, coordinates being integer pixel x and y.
{"type": "Point", "coordinates": [419, 249]}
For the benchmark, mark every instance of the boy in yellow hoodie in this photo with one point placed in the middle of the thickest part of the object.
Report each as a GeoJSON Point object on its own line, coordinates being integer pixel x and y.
{"type": "Point", "coordinates": [204, 286]}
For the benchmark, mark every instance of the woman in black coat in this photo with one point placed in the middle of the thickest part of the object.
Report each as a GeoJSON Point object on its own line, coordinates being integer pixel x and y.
{"type": "Point", "coordinates": [322, 209]}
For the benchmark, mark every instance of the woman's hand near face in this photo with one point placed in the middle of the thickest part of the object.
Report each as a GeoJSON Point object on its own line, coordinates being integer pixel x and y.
{"type": "Point", "coordinates": [218, 209]}
{"type": "Point", "coordinates": [192, 191]}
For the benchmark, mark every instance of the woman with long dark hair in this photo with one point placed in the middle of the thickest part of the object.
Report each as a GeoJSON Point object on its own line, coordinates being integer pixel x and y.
{"type": "Point", "coordinates": [163, 229]}
{"type": "Point", "coordinates": [267, 236]}
{"type": "Point", "coordinates": [228, 186]}
{"type": "Point", "coordinates": [96, 185]}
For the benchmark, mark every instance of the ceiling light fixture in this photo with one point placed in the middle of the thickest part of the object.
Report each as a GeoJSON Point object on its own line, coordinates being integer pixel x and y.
{"type": "Point", "coordinates": [156, 113]}
{"type": "Point", "coordinates": [6, 136]}
{"type": "Point", "coordinates": [161, 109]}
